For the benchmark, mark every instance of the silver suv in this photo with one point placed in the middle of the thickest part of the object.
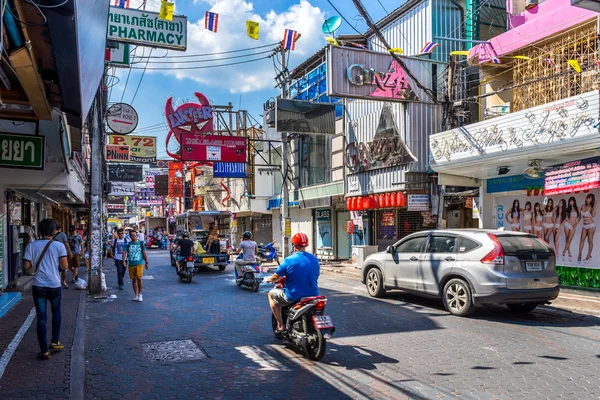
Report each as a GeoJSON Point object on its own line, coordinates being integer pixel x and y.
{"type": "Point", "coordinates": [467, 268]}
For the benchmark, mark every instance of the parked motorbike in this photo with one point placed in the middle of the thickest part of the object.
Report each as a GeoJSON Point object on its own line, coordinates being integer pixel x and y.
{"type": "Point", "coordinates": [268, 253]}
{"type": "Point", "coordinates": [252, 275]}
{"type": "Point", "coordinates": [187, 270]}
{"type": "Point", "coordinates": [150, 242]}
{"type": "Point", "coordinates": [305, 324]}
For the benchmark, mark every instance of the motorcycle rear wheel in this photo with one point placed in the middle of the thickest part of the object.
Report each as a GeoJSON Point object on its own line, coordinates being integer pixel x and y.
{"type": "Point", "coordinates": [255, 287]}
{"type": "Point", "coordinates": [316, 351]}
{"type": "Point", "coordinates": [189, 279]}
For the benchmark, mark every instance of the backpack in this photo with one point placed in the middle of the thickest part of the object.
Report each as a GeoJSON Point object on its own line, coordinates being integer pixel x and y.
{"type": "Point", "coordinates": [125, 242]}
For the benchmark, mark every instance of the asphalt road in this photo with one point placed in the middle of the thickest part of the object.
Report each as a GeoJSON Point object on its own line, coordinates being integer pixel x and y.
{"type": "Point", "coordinates": [210, 339]}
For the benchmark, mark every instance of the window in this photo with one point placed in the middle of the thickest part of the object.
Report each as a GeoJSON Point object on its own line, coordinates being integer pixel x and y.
{"type": "Point", "coordinates": [529, 243]}
{"type": "Point", "coordinates": [413, 245]}
{"type": "Point", "coordinates": [465, 245]}
{"type": "Point", "coordinates": [441, 244]}
{"type": "Point", "coordinates": [315, 159]}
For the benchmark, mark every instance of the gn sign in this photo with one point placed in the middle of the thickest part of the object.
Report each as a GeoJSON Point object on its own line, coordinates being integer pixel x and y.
{"type": "Point", "coordinates": [22, 151]}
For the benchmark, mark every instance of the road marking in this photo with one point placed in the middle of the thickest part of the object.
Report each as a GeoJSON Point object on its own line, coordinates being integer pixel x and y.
{"type": "Point", "coordinates": [562, 296]}
{"type": "Point", "coordinates": [10, 350]}
{"type": "Point", "coordinates": [265, 361]}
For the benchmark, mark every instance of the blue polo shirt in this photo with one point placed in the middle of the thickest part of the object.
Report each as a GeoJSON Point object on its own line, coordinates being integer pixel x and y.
{"type": "Point", "coordinates": [301, 271]}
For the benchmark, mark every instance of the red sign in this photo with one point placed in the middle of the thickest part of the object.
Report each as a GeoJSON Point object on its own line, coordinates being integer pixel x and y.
{"type": "Point", "coordinates": [190, 117]}
{"type": "Point", "coordinates": [117, 153]}
{"type": "Point", "coordinates": [175, 182]}
{"type": "Point", "coordinates": [213, 148]}
{"type": "Point", "coordinates": [350, 227]}
{"type": "Point", "coordinates": [572, 177]}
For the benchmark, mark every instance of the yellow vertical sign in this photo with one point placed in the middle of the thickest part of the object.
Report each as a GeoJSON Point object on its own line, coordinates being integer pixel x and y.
{"type": "Point", "coordinates": [288, 227]}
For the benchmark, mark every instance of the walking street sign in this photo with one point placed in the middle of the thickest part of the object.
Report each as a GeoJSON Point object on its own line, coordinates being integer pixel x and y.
{"type": "Point", "coordinates": [22, 151]}
{"type": "Point", "coordinates": [143, 28]}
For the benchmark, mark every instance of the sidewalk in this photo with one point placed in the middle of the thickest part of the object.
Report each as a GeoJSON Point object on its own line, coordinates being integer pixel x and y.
{"type": "Point", "coordinates": [22, 375]}
{"type": "Point", "coordinates": [577, 301]}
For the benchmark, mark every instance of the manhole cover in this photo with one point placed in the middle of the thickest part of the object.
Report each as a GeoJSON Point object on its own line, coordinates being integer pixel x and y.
{"type": "Point", "coordinates": [173, 351]}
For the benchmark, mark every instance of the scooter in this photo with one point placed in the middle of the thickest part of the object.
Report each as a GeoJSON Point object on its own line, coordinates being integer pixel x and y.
{"type": "Point", "coordinates": [150, 242]}
{"type": "Point", "coordinates": [268, 253]}
{"type": "Point", "coordinates": [306, 326]}
{"type": "Point", "coordinates": [187, 270]}
{"type": "Point", "coordinates": [252, 275]}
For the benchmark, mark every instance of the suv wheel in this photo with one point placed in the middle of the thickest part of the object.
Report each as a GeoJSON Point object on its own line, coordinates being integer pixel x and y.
{"type": "Point", "coordinates": [457, 298]}
{"type": "Point", "coordinates": [522, 308]}
{"type": "Point", "coordinates": [375, 286]}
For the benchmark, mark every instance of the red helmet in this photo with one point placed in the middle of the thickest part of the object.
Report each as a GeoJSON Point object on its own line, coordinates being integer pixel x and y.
{"type": "Point", "coordinates": [300, 239]}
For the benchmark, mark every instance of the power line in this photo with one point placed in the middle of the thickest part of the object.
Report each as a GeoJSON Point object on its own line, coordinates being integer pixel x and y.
{"type": "Point", "coordinates": [141, 78]}
{"type": "Point", "coordinates": [386, 11]}
{"type": "Point", "coordinates": [207, 66]}
{"type": "Point", "coordinates": [201, 61]}
{"type": "Point", "coordinates": [216, 54]}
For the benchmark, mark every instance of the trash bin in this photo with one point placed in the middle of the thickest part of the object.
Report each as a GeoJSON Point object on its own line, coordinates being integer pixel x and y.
{"type": "Point", "coordinates": [360, 253]}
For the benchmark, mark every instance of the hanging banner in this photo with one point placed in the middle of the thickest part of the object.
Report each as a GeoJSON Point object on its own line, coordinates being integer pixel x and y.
{"type": "Point", "coordinates": [117, 153]}
{"type": "Point", "coordinates": [175, 182]}
{"type": "Point", "coordinates": [144, 28]}
{"type": "Point", "coordinates": [213, 148]}
{"type": "Point", "coordinates": [124, 173]}
{"type": "Point", "coordinates": [142, 149]}
{"type": "Point", "coordinates": [229, 170]}
{"type": "Point", "coordinates": [122, 189]}
{"type": "Point", "coordinates": [572, 177]}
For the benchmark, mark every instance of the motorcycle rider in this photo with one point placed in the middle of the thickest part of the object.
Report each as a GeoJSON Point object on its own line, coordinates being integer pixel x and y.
{"type": "Point", "coordinates": [250, 249]}
{"type": "Point", "coordinates": [186, 248]}
{"type": "Point", "coordinates": [301, 271]}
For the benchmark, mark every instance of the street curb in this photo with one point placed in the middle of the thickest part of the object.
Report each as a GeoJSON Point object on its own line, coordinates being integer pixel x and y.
{"type": "Point", "coordinates": [77, 379]}
{"type": "Point", "coordinates": [341, 271]}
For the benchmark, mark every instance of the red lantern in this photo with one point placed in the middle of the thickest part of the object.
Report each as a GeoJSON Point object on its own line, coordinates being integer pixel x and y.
{"type": "Point", "coordinates": [352, 204]}
{"type": "Point", "coordinates": [382, 201]}
{"type": "Point", "coordinates": [388, 199]}
{"type": "Point", "coordinates": [376, 202]}
{"type": "Point", "coordinates": [401, 199]}
{"type": "Point", "coordinates": [359, 204]}
{"type": "Point", "coordinates": [371, 202]}
{"type": "Point", "coordinates": [394, 200]}
{"type": "Point", "coordinates": [349, 204]}
{"type": "Point", "coordinates": [366, 204]}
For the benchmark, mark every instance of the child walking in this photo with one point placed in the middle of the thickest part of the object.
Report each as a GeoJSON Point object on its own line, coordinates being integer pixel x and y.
{"type": "Point", "coordinates": [134, 257]}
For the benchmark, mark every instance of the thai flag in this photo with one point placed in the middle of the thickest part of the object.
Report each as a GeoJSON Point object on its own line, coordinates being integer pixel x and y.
{"type": "Point", "coordinates": [289, 39]}
{"type": "Point", "coordinates": [211, 21]}
{"type": "Point", "coordinates": [496, 60]}
{"type": "Point", "coordinates": [122, 3]}
{"type": "Point", "coordinates": [428, 48]}
{"type": "Point", "coordinates": [360, 46]}
{"type": "Point", "coordinates": [549, 61]}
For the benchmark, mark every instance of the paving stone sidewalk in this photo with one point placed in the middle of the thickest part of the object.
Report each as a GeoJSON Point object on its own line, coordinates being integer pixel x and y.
{"type": "Point", "coordinates": [25, 376]}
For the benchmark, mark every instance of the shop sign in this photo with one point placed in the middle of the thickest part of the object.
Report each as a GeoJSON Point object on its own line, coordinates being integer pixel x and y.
{"type": "Point", "coordinates": [175, 183]}
{"type": "Point", "coordinates": [117, 152]}
{"type": "Point", "coordinates": [144, 28]}
{"type": "Point", "coordinates": [229, 170]}
{"type": "Point", "coordinates": [511, 184]}
{"type": "Point", "coordinates": [572, 177]}
{"type": "Point", "coordinates": [124, 173]}
{"type": "Point", "coordinates": [418, 202]}
{"type": "Point", "coordinates": [118, 56]}
{"type": "Point", "coordinates": [112, 206]}
{"type": "Point", "coordinates": [364, 74]}
{"type": "Point", "coordinates": [149, 181]}
{"type": "Point", "coordinates": [190, 117]}
{"type": "Point", "coordinates": [475, 210]}
{"type": "Point", "coordinates": [323, 214]}
{"type": "Point", "coordinates": [213, 148]}
{"type": "Point", "coordinates": [122, 189]}
{"type": "Point", "coordinates": [288, 227]}
{"type": "Point", "coordinates": [387, 149]}
{"type": "Point", "coordinates": [142, 149]}
{"type": "Point", "coordinates": [150, 203]}
{"type": "Point", "coordinates": [22, 151]}
{"type": "Point", "coordinates": [122, 118]}
{"type": "Point", "coordinates": [557, 123]}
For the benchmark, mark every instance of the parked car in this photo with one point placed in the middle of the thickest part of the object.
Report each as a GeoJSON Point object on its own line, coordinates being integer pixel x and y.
{"type": "Point", "coordinates": [467, 268]}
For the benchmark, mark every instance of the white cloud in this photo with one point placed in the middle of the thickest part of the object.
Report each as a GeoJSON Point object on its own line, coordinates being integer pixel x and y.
{"type": "Point", "coordinates": [302, 17]}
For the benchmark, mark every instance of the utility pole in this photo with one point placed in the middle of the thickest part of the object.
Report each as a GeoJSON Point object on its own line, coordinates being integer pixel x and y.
{"type": "Point", "coordinates": [285, 191]}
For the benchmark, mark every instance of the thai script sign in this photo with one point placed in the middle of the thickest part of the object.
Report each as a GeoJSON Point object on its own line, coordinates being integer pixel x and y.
{"type": "Point", "coordinates": [572, 177]}
{"type": "Point", "coordinates": [124, 173]}
{"type": "Point", "coordinates": [142, 149]}
{"type": "Point", "coordinates": [369, 75]}
{"type": "Point", "coordinates": [558, 122]}
{"type": "Point", "coordinates": [512, 183]}
{"type": "Point", "coordinates": [418, 202]}
{"type": "Point", "coordinates": [213, 148]}
{"type": "Point", "coordinates": [117, 153]}
{"type": "Point", "coordinates": [143, 28]}
{"type": "Point", "coordinates": [229, 170]}
{"type": "Point", "coordinates": [22, 151]}
{"type": "Point", "coordinates": [122, 189]}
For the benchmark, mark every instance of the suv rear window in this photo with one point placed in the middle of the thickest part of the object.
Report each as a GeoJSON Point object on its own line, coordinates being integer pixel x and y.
{"type": "Point", "coordinates": [515, 244]}
{"type": "Point", "coordinates": [465, 245]}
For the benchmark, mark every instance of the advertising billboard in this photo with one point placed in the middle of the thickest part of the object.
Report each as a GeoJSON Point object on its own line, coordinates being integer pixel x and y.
{"type": "Point", "coordinates": [296, 116]}
{"type": "Point", "coordinates": [142, 149]}
{"type": "Point", "coordinates": [124, 173]}
{"type": "Point", "coordinates": [213, 148]}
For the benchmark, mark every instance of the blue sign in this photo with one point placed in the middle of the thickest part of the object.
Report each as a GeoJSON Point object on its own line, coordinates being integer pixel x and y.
{"type": "Point", "coordinates": [512, 183]}
{"type": "Point", "coordinates": [229, 170]}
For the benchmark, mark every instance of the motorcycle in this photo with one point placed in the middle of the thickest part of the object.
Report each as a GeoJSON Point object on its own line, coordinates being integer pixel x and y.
{"type": "Point", "coordinates": [268, 253]}
{"type": "Point", "coordinates": [305, 325]}
{"type": "Point", "coordinates": [252, 275]}
{"type": "Point", "coordinates": [187, 270]}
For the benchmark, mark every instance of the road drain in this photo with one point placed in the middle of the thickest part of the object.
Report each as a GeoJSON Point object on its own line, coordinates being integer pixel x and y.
{"type": "Point", "coordinates": [173, 351]}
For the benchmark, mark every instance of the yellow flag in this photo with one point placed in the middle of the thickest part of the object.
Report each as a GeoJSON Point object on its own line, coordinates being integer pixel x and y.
{"type": "Point", "coordinates": [166, 10]}
{"type": "Point", "coordinates": [575, 65]}
{"type": "Point", "coordinates": [252, 29]}
{"type": "Point", "coordinates": [459, 53]}
{"type": "Point", "coordinates": [396, 50]}
{"type": "Point", "coordinates": [331, 40]}
{"type": "Point", "coordinates": [522, 58]}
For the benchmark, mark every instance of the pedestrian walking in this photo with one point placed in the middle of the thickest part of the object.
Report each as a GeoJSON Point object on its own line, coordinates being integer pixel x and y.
{"type": "Point", "coordinates": [75, 241]}
{"type": "Point", "coordinates": [134, 257]}
{"type": "Point", "coordinates": [61, 237]}
{"type": "Point", "coordinates": [48, 257]}
{"type": "Point", "coordinates": [117, 249]}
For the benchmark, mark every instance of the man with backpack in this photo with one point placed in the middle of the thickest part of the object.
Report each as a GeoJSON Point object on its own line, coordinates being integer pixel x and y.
{"type": "Point", "coordinates": [118, 245]}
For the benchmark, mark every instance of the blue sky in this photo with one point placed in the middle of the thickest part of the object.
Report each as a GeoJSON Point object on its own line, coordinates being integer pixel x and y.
{"type": "Point", "coordinates": [248, 85]}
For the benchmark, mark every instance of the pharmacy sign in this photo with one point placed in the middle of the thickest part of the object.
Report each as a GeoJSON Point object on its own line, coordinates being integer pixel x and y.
{"type": "Point", "coordinates": [143, 28]}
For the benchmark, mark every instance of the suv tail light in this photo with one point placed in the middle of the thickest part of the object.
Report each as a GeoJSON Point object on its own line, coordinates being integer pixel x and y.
{"type": "Point", "coordinates": [496, 256]}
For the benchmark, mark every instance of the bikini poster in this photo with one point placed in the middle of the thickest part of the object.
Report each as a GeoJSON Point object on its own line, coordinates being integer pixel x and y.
{"type": "Point", "coordinates": [567, 222]}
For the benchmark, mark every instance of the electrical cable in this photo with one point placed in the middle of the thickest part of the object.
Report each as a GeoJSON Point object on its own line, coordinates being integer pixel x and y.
{"type": "Point", "coordinates": [200, 61]}
{"type": "Point", "coordinates": [140, 82]}
{"type": "Point", "coordinates": [45, 6]}
{"type": "Point", "coordinates": [207, 66]}
{"type": "Point", "coordinates": [386, 11]}
{"type": "Point", "coordinates": [28, 23]}
{"type": "Point", "coordinates": [127, 80]}
{"type": "Point", "coordinates": [219, 53]}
